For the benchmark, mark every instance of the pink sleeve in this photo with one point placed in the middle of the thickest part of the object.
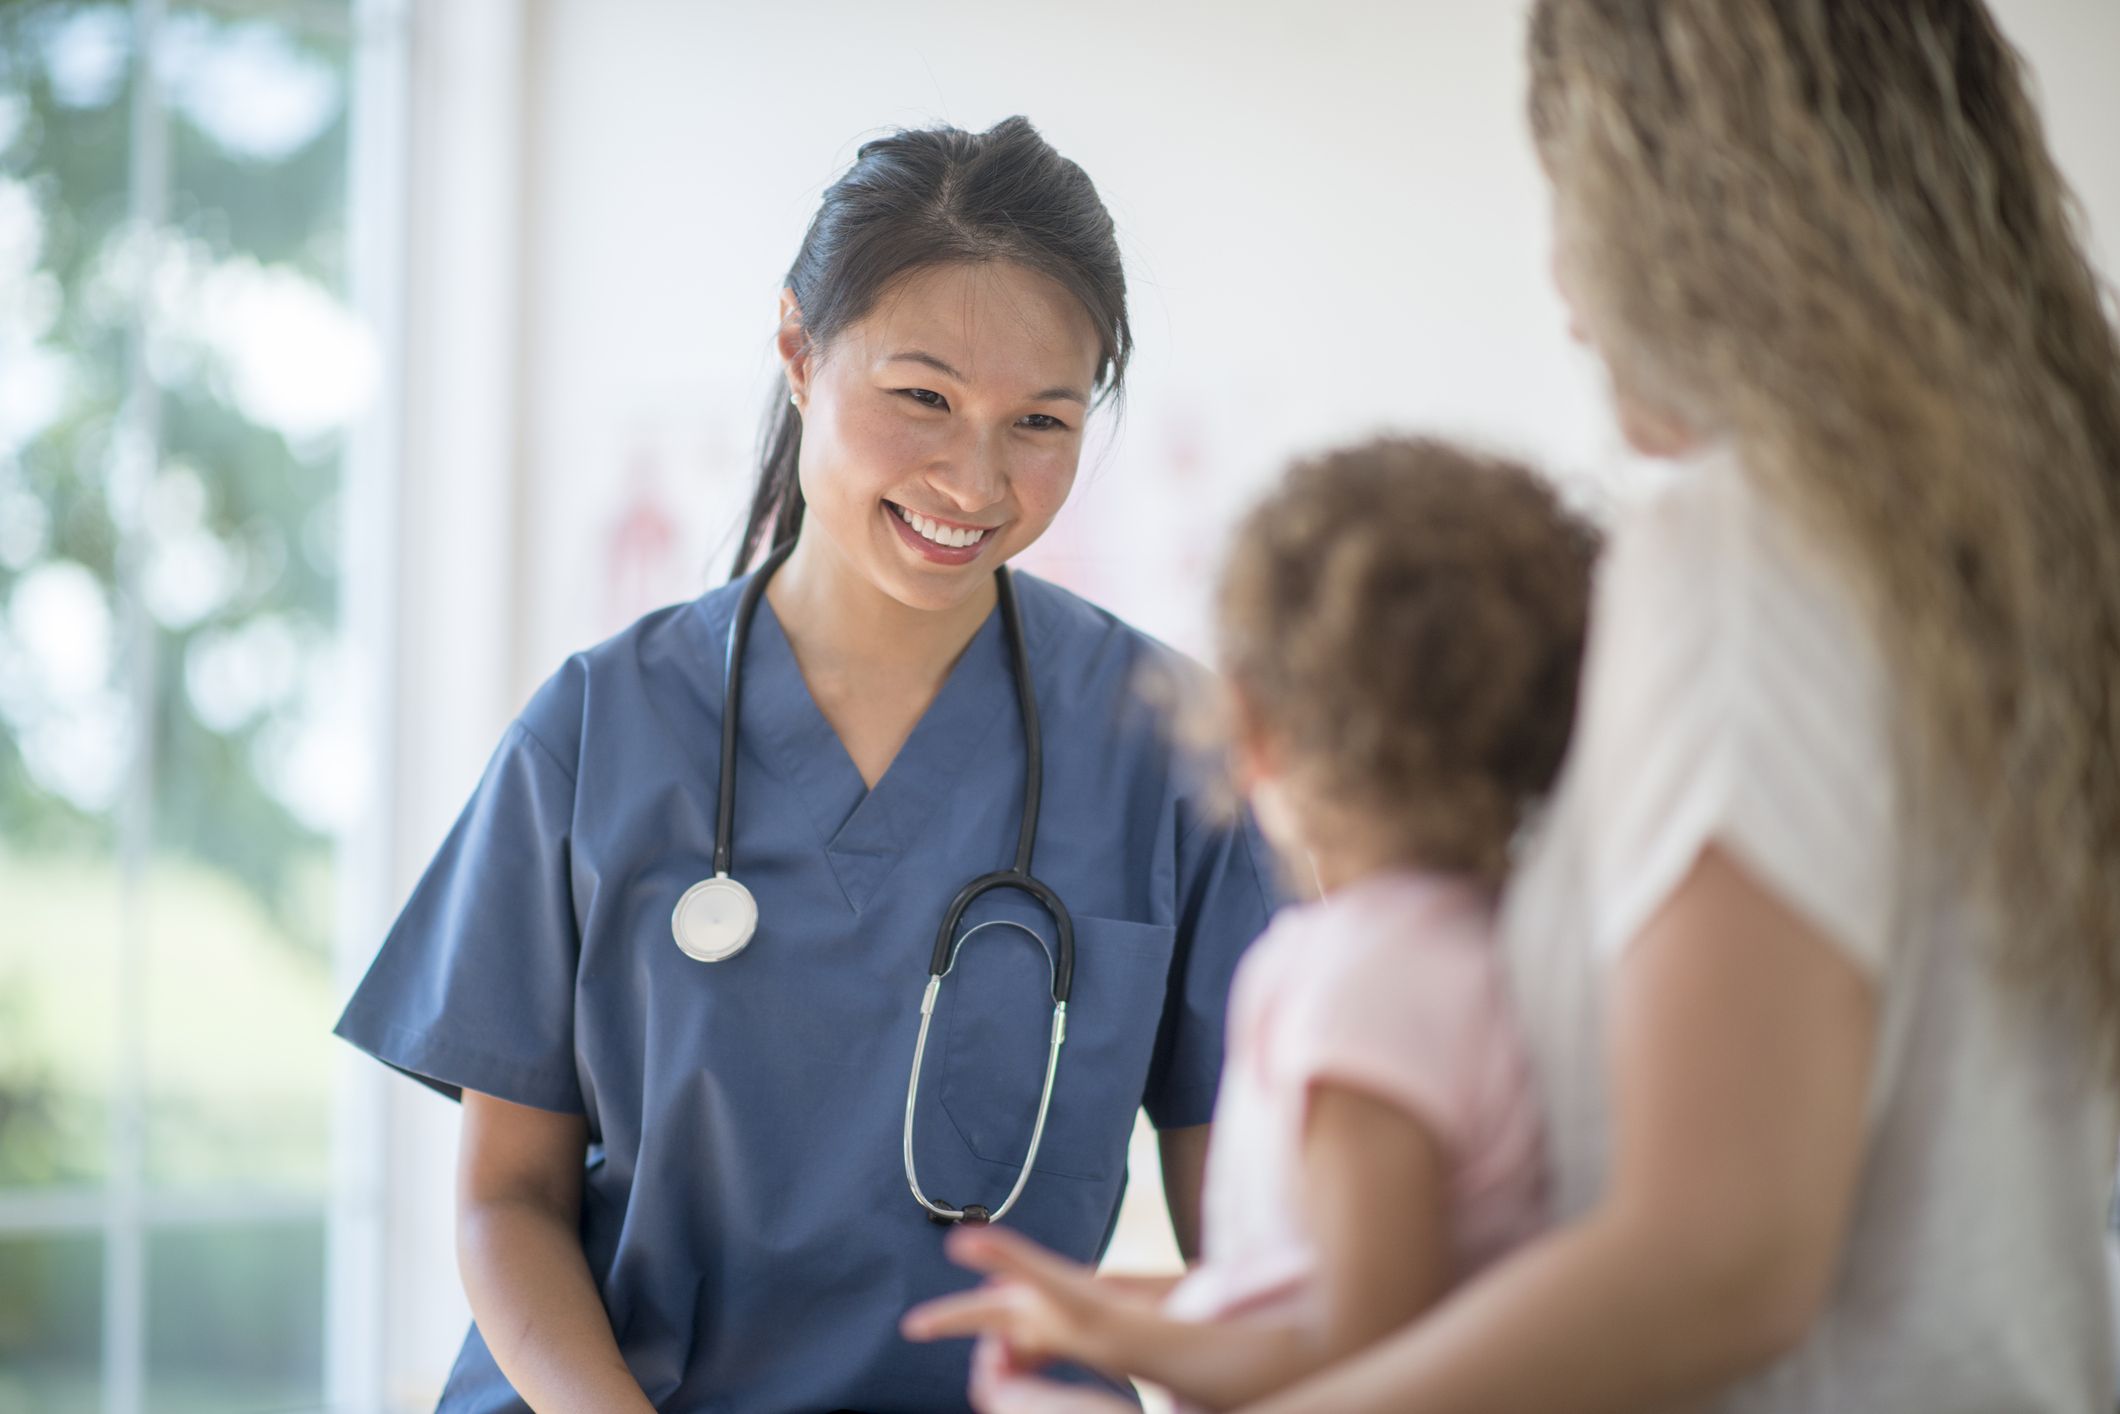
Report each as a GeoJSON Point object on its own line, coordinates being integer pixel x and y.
{"type": "Point", "coordinates": [1407, 1020]}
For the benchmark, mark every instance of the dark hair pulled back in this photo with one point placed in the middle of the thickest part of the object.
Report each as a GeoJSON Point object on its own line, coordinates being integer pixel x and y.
{"type": "Point", "coordinates": [929, 197]}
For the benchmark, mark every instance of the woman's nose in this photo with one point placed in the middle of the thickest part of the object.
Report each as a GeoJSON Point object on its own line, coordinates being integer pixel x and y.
{"type": "Point", "coordinates": [974, 475]}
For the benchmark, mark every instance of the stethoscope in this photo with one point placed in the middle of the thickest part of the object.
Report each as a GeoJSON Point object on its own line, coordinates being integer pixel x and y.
{"type": "Point", "coordinates": [716, 917]}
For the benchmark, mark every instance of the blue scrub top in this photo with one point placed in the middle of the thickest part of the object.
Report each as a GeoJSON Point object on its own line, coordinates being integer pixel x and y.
{"type": "Point", "coordinates": [745, 1209]}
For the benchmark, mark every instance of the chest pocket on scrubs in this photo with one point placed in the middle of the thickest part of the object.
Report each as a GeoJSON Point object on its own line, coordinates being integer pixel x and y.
{"type": "Point", "coordinates": [998, 1004]}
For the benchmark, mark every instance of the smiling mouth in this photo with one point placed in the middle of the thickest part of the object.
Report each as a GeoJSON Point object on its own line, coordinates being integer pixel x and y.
{"type": "Point", "coordinates": [947, 537]}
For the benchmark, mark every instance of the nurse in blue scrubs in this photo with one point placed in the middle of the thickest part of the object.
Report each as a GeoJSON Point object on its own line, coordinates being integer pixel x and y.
{"type": "Point", "coordinates": [683, 1184]}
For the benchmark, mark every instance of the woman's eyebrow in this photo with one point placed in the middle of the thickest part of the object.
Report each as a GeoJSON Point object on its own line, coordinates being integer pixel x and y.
{"type": "Point", "coordinates": [928, 360]}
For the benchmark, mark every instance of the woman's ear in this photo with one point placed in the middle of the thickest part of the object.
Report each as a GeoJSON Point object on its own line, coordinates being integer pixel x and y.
{"type": "Point", "coordinates": [792, 342]}
{"type": "Point", "coordinates": [1649, 428]}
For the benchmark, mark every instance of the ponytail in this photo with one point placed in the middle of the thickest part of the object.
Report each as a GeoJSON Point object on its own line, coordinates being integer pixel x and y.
{"type": "Point", "coordinates": [776, 501]}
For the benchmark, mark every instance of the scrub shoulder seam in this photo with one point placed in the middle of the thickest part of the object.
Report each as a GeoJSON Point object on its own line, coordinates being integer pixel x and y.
{"type": "Point", "coordinates": [547, 752]}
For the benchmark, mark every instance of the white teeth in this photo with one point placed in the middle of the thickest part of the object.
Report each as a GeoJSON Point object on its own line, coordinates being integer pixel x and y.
{"type": "Point", "coordinates": [951, 537]}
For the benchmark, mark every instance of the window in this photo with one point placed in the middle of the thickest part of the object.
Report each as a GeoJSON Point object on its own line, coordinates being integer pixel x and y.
{"type": "Point", "coordinates": [180, 364]}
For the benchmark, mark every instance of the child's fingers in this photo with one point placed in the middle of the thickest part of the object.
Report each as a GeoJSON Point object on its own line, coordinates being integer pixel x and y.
{"type": "Point", "coordinates": [992, 1371]}
{"type": "Point", "coordinates": [992, 1363]}
{"type": "Point", "coordinates": [999, 1252]}
{"type": "Point", "coordinates": [983, 1308]}
{"type": "Point", "coordinates": [1002, 1386]}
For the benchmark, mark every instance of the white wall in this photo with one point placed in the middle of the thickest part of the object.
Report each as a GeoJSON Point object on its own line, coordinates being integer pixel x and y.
{"type": "Point", "coordinates": [1332, 219]}
{"type": "Point", "coordinates": [453, 645]}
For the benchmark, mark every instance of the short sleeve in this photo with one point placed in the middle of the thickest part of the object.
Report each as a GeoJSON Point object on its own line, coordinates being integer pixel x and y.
{"type": "Point", "coordinates": [474, 986]}
{"type": "Point", "coordinates": [1412, 1024]}
{"type": "Point", "coordinates": [1226, 894]}
{"type": "Point", "coordinates": [1734, 695]}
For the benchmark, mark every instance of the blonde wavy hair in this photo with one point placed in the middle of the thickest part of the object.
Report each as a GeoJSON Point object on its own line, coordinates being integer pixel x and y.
{"type": "Point", "coordinates": [1832, 233]}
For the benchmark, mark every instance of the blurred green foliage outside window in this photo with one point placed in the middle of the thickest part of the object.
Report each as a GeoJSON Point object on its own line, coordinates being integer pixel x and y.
{"type": "Point", "coordinates": [176, 592]}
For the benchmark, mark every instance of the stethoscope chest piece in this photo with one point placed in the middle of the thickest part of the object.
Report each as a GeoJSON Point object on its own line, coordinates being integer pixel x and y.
{"type": "Point", "coordinates": [715, 919]}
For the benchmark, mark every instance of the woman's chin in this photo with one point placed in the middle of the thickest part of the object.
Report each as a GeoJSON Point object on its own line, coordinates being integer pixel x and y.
{"type": "Point", "coordinates": [932, 588]}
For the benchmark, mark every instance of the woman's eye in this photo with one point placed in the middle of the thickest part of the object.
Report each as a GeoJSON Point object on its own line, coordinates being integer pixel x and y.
{"type": "Point", "coordinates": [1043, 422]}
{"type": "Point", "coordinates": [926, 398]}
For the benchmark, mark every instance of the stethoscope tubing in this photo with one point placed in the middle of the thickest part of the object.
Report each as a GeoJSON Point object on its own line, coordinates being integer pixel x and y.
{"type": "Point", "coordinates": [732, 703]}
{"type": "Point", "coordinates": [1018, 876]}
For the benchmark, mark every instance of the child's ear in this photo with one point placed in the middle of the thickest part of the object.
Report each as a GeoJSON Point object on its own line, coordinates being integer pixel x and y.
{"type": "Point", "coordinates": [1254, 755]}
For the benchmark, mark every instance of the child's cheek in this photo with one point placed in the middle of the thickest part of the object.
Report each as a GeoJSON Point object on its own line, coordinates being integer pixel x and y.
{"type": "Point", "coordinates": [1277, 817]}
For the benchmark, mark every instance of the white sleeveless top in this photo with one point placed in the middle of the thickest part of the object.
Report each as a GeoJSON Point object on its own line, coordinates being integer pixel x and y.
{"type": "Point", "coordinates": [1735, 694]}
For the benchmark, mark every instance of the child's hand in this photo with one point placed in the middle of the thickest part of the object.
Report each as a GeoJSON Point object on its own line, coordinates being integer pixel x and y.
{"type": "Point", "coordinates": [1001, 1386]}
{"type": "Point", "coordinates": [1042, 1307]}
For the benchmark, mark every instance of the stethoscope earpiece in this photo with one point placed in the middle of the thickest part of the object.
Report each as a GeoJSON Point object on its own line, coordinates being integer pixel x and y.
{"type": "Point", "coordinates": [969, 1213]}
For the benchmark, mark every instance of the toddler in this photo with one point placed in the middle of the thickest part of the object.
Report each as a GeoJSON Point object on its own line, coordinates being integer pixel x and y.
{"type": "Point", "coordinates": [1401, 627]}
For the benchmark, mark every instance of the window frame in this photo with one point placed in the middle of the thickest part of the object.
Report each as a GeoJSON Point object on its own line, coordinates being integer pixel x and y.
{"type": "Point", "coordinates": [124, 1211]}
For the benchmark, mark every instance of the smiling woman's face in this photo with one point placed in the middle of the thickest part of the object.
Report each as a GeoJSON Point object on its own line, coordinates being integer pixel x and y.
{"type": "Point", "coordinates": [940, 433]}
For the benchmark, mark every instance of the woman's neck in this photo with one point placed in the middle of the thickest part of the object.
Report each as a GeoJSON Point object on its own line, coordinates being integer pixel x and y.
{"type": "Point", "coordinates": [842, 625]}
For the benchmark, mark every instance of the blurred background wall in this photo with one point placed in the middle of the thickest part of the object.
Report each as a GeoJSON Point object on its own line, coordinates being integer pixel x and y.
{"type": "Point", "coordinates": [359, 359]}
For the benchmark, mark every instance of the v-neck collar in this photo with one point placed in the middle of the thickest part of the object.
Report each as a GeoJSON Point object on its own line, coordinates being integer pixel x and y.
{"type": "Point", "coordinates": [866, 830]}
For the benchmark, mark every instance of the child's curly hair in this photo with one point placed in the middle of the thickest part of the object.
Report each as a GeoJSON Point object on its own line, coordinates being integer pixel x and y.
{"type": "Point", "coordinates": [1405, 620]}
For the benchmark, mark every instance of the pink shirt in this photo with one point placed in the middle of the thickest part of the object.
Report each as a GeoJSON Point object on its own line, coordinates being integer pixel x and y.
{"type": "Point", "coordinates": [1393, 986]}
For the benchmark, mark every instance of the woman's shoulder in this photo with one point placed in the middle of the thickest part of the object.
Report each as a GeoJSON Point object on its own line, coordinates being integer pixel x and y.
{"type": "Point", "coordinates": [1080, 624]}
{"type": "Point", "coordinates": [1101, 652]}
{"type": "Point", "coordinates": [1119, 691]}
{"type": "Point", "coordinates": [1735, 690]}
{"type": "Point", "coordinates": [669, 653]}
{"type": "Point", "coordinates": [1707, 537]}
{"type": "Point", "coordinates": [1711, 585]}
